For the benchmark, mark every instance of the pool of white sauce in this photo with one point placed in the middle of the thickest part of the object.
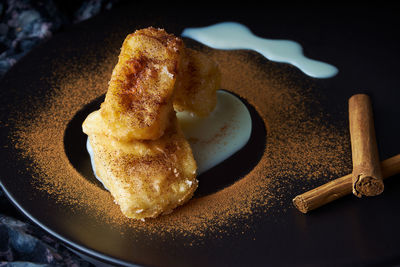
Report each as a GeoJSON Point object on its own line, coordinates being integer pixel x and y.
{"type": "Point", "coordinates": [233, 35]}
{"type": "Point", "coordinates": [218, 136]}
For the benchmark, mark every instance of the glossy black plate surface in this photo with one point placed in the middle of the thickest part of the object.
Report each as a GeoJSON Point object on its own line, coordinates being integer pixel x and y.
{"type": "Point", "coordinates": [362, 43]}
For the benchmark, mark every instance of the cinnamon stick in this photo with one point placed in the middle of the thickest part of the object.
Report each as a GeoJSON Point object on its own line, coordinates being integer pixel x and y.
{"type": "Point", "coordinates": [340, 187]}
{"type": "Point", "coordinates": [367, 174]}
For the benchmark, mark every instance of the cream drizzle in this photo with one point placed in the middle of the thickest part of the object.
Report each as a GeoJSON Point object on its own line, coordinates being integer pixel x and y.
{"type": "Point", "coordinates": [233, 35]}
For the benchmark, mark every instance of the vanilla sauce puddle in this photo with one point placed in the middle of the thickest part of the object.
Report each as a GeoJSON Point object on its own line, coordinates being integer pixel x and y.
{"type": "Point", "coordinates": [233, 35]}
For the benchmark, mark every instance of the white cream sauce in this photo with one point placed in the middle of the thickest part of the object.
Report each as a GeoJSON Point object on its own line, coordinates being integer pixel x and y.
{"type": "Point", "coordinates": [215, 138]}
{"type": "Point", "coordinates": [233, 35]}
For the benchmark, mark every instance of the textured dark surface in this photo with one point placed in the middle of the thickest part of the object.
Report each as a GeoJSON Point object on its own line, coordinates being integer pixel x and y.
{"type": "Point", "coordinates": [363, 43]}
{"type": "Point", "coordinates": [24, 24]}
{"type": "Point", "coordinates": [24, 242]}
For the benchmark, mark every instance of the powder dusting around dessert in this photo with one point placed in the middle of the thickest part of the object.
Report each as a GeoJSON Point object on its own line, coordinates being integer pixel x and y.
{"type": "Point", "coordinates": [301, 148]}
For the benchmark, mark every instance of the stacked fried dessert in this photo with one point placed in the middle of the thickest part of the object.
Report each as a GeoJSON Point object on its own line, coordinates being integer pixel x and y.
{"type": "Point", "coordinates": [140, 152]}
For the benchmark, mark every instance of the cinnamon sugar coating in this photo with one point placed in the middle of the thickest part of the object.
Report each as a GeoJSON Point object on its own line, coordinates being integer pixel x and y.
{"type": "Point", "coordinates": [197, 83]}
{"type": "Point", "coordinates": [139, 98]}
{"type": "Point", "coordinates": [146, 177]}
{"type": "Point", "coordinates": [140, 153]}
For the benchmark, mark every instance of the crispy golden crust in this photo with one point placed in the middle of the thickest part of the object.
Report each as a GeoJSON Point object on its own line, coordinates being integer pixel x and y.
{"type": "Point", "coordinates": [198, 80]}
{"type": "Point", "coordinates": [140, 153]}
{"type": "Point", "coordinates": [146, 177]}
{"type": "Point", "coordinates": [139, 98]}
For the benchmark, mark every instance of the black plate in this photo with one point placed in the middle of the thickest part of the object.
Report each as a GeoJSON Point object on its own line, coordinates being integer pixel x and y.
{"type": "Point", "coordinates": [362, 43]}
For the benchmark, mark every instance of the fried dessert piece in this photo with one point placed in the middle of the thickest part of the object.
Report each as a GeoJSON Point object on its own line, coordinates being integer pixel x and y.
{"type": "Point", "coordinates": [138, 102]}
{"type": "Point", "coordinates": [139, 150]}
{"type": "Point", "coordinates": [198, 80]}
{"type": "Point", "coordinates": [146, 177]}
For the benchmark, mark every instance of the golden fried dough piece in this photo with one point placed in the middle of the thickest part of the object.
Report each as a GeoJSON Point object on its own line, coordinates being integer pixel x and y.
{"type": "Point", "coordinates": [198, 80]}
{"type": "Point", "coordinates": [94, 124]}
{"type": "Point", "coordinates": [139, 150]}
{"type": "Point", "coordinates": [138, 102]}
{"type": "Point", "coordinates": [146, 177]}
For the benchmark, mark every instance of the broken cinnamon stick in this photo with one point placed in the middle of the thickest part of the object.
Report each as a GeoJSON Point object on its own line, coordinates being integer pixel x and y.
{"type": "Point", "coordinates": [338, 188]}
{"type": "Point", "coordinates": [367, 174]}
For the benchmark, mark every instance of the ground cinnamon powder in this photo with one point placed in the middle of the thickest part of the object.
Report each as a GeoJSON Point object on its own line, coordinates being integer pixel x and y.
{"type": "Point", "coordinates": [301, 147]}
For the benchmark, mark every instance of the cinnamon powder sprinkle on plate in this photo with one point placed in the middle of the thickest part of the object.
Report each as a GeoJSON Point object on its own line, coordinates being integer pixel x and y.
{"type": "Point", "coordinates": [301, 147]}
